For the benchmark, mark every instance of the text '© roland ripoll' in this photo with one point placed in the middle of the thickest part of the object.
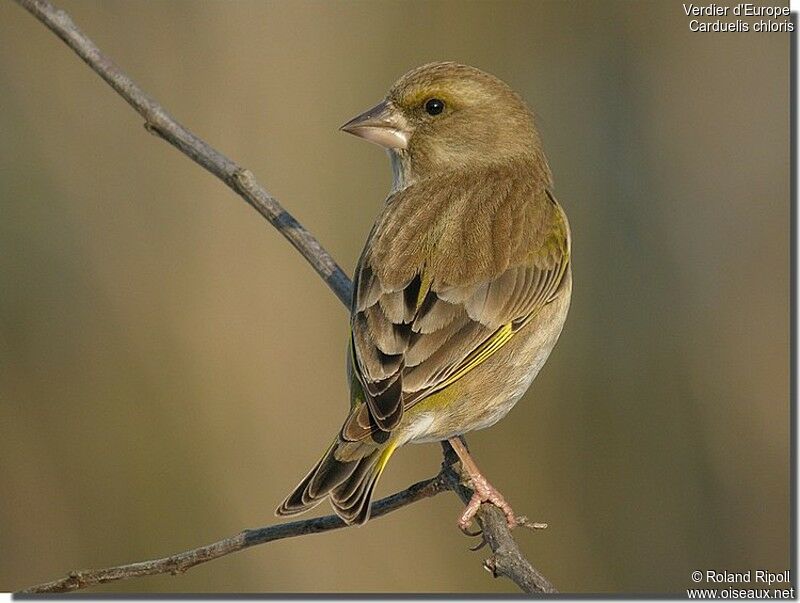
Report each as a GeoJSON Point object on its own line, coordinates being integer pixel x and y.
{"type": "Point", "coordinates": [750, 17]}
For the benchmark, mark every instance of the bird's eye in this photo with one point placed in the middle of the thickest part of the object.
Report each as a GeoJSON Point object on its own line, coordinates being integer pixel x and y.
{"type": "Point", "coordinates": [434, 106]}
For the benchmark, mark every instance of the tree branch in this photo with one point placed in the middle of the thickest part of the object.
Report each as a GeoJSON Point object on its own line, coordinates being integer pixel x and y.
{"type": "Point", "coordinates": [177, 564]}
{"type": "Point", "coordinates": [507, 559]}
{"type": "Point", "coordinates": [161, 123]}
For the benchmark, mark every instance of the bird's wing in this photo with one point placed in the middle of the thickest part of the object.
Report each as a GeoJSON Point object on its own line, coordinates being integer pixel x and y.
{"type": "Point", "coordinates": [436, 295]}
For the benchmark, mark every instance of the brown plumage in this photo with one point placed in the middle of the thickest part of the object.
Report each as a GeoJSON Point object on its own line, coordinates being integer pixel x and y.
{"type": "Point", "coordinates": [463, 285]}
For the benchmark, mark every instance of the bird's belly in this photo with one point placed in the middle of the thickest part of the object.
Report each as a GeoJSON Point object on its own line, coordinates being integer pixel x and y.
{"type": "Point", "coordinates": [475, 409]}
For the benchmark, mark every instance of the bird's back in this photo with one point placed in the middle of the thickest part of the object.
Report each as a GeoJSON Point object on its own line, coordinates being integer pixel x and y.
{"type": "Point", "coordinates": [465, 227]}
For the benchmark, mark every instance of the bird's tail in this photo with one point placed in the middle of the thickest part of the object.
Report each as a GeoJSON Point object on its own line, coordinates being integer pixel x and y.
{"type": "Point", "coordinates": [347, 473]}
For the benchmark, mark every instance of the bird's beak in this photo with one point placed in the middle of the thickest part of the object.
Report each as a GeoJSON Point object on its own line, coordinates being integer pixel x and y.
{"type": "Point", "coordinates": [383, 124]}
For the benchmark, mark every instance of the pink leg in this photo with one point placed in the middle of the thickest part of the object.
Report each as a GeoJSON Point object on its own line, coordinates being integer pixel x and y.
{"type": "Point", "coordinates": [483, 490]}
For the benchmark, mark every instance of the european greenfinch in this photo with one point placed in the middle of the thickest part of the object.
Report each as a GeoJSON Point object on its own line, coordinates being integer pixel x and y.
{"type": "Point", "coordinates": [461, 290]}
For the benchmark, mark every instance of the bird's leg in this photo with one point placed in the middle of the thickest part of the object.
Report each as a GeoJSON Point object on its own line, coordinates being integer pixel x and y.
{"type": "Point", "coordinates": [483, 490]}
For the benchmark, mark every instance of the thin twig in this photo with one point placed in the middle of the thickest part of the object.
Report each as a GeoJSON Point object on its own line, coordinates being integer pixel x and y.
{"type": "Point", "coordinates": [177, 564]}
{"type": "Point", "coordinates": [507, 559]}
{"type": "Point", "coordinates": [161, 123]}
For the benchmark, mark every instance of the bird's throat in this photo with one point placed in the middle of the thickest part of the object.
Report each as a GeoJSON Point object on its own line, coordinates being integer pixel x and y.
{"type": "Point", "coordinates": [402, 175]}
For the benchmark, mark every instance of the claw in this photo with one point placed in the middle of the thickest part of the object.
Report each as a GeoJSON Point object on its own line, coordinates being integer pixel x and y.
{"type": "Point", "coordinates": [467, 532]}
{"type": "Point", "coordinates": [480, 545]}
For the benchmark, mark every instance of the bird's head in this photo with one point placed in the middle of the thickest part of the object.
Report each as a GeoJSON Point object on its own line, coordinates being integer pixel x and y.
{"type": "Point", "coordinates": [444, 116]}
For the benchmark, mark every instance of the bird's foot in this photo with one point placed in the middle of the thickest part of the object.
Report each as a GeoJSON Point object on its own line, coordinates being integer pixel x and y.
{"type": "Point", "coordinates": [484, 492]}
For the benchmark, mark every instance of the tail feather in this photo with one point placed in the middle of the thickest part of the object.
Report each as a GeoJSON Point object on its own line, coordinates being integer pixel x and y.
{"type": "Point", "coordinates": [356, 510]}
{"type": "Point", "coordinates": [299, 500]}
{"type": "Point", "coordinates": [330, 474]}
{"type": "Point", "coordinates": [345, 490]}
{"type": "Point", "coordinates": [349, 484]}
{"type": "Point", "coordinates": [351, 500]}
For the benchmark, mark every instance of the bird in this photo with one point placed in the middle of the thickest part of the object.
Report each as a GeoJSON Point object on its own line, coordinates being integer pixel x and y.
{"type": "Point", "coordinates": [462, 288]}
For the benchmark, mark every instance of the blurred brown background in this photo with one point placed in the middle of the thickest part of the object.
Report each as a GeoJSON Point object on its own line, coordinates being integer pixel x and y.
{"type": "Point", "coordinates": [170, 366]}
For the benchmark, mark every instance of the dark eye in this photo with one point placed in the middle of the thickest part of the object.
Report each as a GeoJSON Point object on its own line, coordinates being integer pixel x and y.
{"type": "Point", "coordinates": [434, 106]}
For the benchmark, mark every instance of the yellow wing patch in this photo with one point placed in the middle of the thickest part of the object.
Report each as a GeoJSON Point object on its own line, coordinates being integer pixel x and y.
{"type": "Point", "coordinates": [424, 287]}
{"type": "Point", "coordinates": [481, 353]}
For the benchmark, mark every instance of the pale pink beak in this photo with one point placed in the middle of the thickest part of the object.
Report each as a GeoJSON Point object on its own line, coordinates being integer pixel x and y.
{"type": "Point", "coordinates": [383, 124]}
